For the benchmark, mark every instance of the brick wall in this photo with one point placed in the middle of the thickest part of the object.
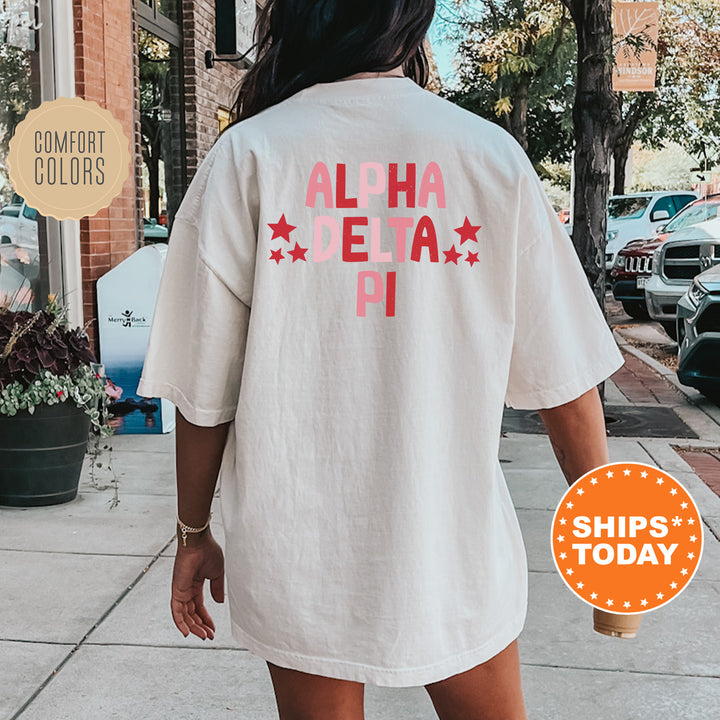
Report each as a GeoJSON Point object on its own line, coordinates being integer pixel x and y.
{"type": "Point", "coordinates": [106, 71]}
{"type": "Point", "coordinates": [105, 61]}
{"type": "Point", "coordinates": [205, 90]}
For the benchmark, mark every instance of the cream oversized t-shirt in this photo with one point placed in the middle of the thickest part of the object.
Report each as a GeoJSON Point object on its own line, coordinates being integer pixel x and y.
{"type": "Point", "coordinates": [359, 278]}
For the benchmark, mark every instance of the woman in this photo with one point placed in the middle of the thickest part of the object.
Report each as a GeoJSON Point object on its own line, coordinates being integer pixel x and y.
{"type": "Point", "coordinates": [359, 277]}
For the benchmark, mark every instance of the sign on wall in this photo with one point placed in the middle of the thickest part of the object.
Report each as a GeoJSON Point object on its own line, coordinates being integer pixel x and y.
{"type": "Point", "coordinates": [635, 30]}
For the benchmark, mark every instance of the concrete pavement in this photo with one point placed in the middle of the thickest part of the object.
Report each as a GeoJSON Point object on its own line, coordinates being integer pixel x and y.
{"type": "Point", "coordinates": [86, 633]}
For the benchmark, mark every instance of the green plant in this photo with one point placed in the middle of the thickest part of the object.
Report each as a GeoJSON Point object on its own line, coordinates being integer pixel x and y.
{"type": "Point", "coordinates": [43, 361]}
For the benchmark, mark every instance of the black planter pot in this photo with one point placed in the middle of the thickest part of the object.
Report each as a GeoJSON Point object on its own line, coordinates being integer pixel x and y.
{"type": "Point", "coordinates": [41, 455]}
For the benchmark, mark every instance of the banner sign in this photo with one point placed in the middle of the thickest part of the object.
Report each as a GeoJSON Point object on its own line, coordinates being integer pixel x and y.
{"type": "Point", "coordinates": [635, 30]}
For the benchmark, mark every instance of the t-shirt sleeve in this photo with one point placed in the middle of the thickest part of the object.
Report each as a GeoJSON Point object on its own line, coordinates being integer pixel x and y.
{"type": "Point", "coordinates": [562, 346]}
{"type": "Point", "coordinates": [199, 329]}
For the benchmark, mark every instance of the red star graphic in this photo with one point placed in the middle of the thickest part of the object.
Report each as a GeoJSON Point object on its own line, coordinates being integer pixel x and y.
{"type": "Point", "coordinates": [452, 255]}
{"type": "Point", "coordinates": [472, 258]}
{"type": "Point", "coordinates": [281, 229]}
{"type": "Point", "coordinates": [276, 255]}
{"type": "Point", "coordinates": [467, 231]}
{"type": "Point", "coordinates": [298, 253]}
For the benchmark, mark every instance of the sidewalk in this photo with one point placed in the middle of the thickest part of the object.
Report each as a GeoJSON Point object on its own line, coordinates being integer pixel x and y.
{"type": "Point", "coordinates": [86, 631]}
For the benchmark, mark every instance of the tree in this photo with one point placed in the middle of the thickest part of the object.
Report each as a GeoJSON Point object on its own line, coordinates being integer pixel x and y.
{"type": "Point", "coordinates": [15, 101]}
{"type": "Point", "coordinates": [688, 74]}
{"type": "Point", "coordinates": [596, 121]}
{"type": "Point", "coordinates": [515, 66]}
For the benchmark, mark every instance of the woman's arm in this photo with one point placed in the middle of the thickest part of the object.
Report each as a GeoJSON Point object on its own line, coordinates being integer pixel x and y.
{"type": "Point", "coordinates": [198, 452]}
{"type": "Point", "coordinates": [577, 434]}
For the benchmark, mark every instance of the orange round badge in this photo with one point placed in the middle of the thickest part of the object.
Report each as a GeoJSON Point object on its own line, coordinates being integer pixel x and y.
{"type": "Point", "coordinates": [627, 538]}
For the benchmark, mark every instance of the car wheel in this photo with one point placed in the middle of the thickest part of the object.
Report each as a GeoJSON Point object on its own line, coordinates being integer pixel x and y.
{"type": "Point", "coordinates": [670, 328]}
{"type": "Point", "coordinates": [636, 309]}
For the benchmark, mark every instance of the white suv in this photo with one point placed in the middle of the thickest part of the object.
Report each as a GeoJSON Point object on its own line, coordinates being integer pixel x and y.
{"type": "Point", "coordinates": [675, 263]}
{"type": "Point", "coordinates": [638, 216]}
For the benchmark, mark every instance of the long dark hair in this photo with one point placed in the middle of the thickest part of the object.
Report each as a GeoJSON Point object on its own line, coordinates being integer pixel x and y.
{"type": "Point", "coordinates": [301, 43]}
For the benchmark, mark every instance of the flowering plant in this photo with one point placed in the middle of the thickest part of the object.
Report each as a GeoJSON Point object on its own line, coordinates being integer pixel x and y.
{"type": "Point", "coordinates": [44, 362]}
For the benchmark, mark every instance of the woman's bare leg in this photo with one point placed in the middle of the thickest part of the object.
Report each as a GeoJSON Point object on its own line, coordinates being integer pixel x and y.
{"type": "Point", "coordinates": [491, 691]}
{"type": "Point", "coordinates": [301, 696]}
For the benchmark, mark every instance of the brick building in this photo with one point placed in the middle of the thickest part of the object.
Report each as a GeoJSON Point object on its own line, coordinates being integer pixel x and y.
{"type": "Point", "coordinates": [121, 48]}
{"type": "Point", "coordinates": [105, 69]}
{"type": "Point", "coordinates": [143, 60]}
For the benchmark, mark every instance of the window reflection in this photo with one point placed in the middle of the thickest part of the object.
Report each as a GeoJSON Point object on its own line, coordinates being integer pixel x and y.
{"type": "Point", "coordinates": [161, 134]}
{"type": "Point", "coordinates": [168, 8]}
{"type": "Point", "coordinates": [23, 240]}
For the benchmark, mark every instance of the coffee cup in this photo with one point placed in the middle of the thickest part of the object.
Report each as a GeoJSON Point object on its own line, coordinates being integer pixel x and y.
{"type": "Point", "coordinates": [619, 625]}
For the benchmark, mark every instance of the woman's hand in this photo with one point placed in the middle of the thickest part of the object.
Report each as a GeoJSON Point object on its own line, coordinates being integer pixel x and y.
{"type": "Point", "coordinates": [201, 560]}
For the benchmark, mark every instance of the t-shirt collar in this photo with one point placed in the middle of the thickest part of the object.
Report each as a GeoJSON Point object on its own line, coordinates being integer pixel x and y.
{"type": "Point", "coordinates": [359, 88]}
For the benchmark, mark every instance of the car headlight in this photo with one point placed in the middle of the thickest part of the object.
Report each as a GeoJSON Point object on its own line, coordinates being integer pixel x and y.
{"type": "Point", "coordinates": [696, 292]}
{"type": "Point", "coordinates": [611, 235]}
{"type": "Point", "coordinates": [619, 262]}
{"type": "Point", "coordinates": [656, 261]}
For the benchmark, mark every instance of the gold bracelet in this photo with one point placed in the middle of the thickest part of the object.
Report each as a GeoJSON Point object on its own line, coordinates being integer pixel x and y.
{"type": "Point", "coordinates": [185, 529]}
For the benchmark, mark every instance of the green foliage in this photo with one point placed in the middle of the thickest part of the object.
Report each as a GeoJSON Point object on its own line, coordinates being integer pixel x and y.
{"type": "Point", "coordinates": [559, 195]}
{"type": "Point", "coordinates": [556, 172]}
{"type": "Point", "coordinates": [45, 362]}
{"type": "Point", "coordinates": [668, 168]}
{"type": "Point", "coordinates": [515, 48]}
{"type": "Point", "coordinates": [686, 107]}
{"type": "Point", "coordinates": [555, 177]}
{"type": "Point", "coordinates": [15, 100]}
{"type": "Point", "coordinates": [516, 67]}
{"type": "Point", "coordinates": [81, 387]}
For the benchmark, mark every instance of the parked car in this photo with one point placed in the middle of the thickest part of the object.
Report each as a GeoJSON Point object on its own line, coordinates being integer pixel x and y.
{"type": "Point", "coordinates": [18, 224]}
{"type": "Point", "coordinates": [637, 216]}
{"type": "Point", "coordinates": [674, 266]}
{"type": "Point", "coordinates": [633, 265]}
{"type": "Point", "coordinates": [19, 251]}
{"type": "Point", "coordinates": [630, 274]}
{"type": "Point", "coordinates": [698, 331]}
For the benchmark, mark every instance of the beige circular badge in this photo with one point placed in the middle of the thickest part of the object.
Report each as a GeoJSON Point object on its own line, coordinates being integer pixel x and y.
{"type": "Point", "coordinates": [69, 158]}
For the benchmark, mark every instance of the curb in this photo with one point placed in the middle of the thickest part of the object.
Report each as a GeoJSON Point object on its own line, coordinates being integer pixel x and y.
{"type": "Point", "coordinates": [693, 397]}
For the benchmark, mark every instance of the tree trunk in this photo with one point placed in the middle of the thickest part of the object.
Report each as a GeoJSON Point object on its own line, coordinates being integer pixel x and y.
{"type": "Point", "coordinates": [518, 114]}
{"type": "Point", "coordinates": [153, 168]}
{"type": "Point", "coordinates": [621, 151]}
{"type": "Point", "coordinates": [628, 125]}
{"type": "Point", "coordinates": [596, 122]}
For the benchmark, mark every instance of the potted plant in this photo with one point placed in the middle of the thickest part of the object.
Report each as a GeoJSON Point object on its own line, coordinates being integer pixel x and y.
{"type": "Point", "coordinates": [51, 398]}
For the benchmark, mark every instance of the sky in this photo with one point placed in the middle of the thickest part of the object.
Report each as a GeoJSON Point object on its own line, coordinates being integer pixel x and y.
{"type": "Point", "coordinates": [443, 50]}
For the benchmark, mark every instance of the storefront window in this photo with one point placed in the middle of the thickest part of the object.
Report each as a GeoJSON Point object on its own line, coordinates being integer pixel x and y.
{"type": "Point", "coordinates": [23, 232]}
{"type": "Point", "coordinates": [162, 139]}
